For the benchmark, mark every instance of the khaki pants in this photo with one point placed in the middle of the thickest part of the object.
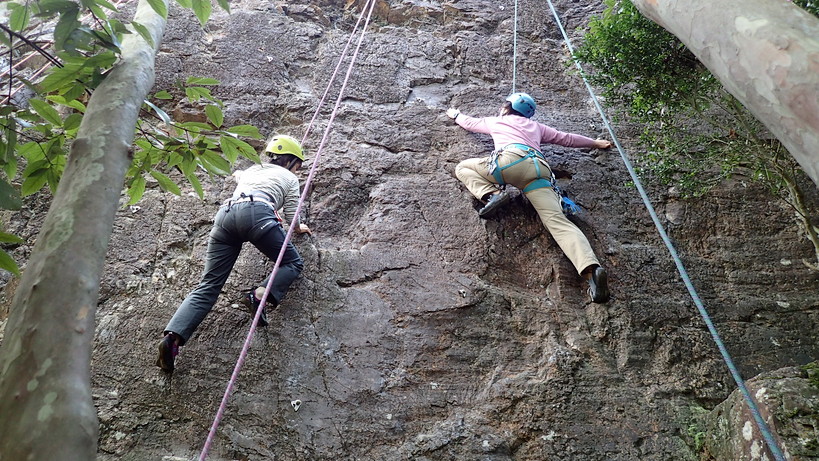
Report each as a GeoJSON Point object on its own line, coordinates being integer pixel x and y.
{"type": "Point", "coordinates": [474, 173]}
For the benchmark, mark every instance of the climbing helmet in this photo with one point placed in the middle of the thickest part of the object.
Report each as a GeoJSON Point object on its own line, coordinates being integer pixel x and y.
{"type": "Point", "coordinates": [523, 104]}
{"type": "Point", "coordinates": [284, 144]}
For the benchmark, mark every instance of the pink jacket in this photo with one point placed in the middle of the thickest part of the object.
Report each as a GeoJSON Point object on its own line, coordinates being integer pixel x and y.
{"type": "Point", "coordinates": [510, 129]}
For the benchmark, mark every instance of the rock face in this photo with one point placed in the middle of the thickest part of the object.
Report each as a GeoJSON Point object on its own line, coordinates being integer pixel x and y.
{"type": "Point", "coordinates": [419, 331]}
{"type": "Point", "coordinates": [789, 400]}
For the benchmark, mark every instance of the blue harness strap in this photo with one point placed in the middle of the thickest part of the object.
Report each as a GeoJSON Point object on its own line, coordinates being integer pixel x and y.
{"type": "Point", "coordinates": [538, 183]}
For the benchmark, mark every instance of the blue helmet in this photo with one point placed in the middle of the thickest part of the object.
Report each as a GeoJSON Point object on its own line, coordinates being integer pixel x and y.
{"type": "Point", "coordinates": [522, 103]}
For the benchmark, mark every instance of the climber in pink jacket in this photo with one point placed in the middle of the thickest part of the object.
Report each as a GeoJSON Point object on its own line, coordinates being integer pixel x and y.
{"type": "Point", "coordinates": [517, 160]}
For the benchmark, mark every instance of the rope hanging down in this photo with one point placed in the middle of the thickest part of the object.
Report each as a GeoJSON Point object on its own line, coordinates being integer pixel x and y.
{"type": "Point", "coordinates": [773, 446]}
{"type": "Point", "coordinates": [307, 183]}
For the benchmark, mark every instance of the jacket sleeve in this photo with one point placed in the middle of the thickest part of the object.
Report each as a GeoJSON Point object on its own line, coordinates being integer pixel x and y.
{"type": "Point", "coordinates": [551, 136]}
{"type": "Point", "coordinates": [475, 125]}
{"type": "Point", "coordinates": [291, 202]}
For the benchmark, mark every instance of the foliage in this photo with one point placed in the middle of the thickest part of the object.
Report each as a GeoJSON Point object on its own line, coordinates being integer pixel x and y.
{"type": "Point", "coordinates": [643, 67]}
{"type": "Point", "coordinates": [36, 134]}
{"type": "Point", "coordinates": [812, 369]}
{"type": "Point", "coordinates": [811, 6]}
{"type": "Point", "coordinates": [695, 133]}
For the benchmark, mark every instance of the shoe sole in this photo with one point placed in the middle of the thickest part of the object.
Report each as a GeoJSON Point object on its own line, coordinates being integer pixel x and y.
{"type": "Point", "coordinates": [491, 207]}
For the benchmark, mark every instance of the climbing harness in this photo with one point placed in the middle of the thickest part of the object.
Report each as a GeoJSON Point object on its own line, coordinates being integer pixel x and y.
{"type": "Point", "coordinates": [766, 432]}
{"type": "Point", "coordinates": [308, 182]}
{"type": "Point", "coordinates": [530, 153]}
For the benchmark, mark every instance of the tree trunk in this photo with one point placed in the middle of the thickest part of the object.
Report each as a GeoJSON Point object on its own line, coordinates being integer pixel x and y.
{"type": "Point", "coordinates": [765, 52]}
{"type": "Point", "coordinates": [45, 386]}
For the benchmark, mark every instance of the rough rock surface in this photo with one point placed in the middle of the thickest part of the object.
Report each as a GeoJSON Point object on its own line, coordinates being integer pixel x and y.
{"type": "Point", "coordinates": [789, 403]}
{"type": "Point", "coordinates": [419, 331]}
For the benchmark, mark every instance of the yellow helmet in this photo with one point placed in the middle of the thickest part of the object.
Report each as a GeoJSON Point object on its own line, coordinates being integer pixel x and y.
{"type": "Point", "coordinates": [283, 144]}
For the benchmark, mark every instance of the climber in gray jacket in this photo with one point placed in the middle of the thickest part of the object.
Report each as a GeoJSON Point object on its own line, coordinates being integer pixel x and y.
{"type": "Point", "coordinates": [249, 216]}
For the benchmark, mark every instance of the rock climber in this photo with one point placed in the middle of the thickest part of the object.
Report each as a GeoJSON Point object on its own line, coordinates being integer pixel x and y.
{"type": "Point", "coordinates": [249, 216]}
{"type": "Point", "coordinates": [517, 160]}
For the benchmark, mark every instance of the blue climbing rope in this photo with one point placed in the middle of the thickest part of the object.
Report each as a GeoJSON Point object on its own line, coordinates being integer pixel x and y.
{"type": "Point", "coordinates": [773, 446]}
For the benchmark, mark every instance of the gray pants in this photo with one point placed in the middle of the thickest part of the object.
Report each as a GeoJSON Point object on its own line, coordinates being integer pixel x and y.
{"type": "Point", "coordinates": [253, 222]}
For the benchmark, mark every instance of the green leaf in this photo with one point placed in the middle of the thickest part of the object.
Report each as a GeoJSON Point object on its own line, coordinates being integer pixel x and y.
{"type": "Point", "coordinates": [53, 178]}
{"type": "Point", "coordinates": [72, 122]}
{"type": "Point", "coordinates": [9, 197]}
{"type": "Point", "coordinates": [117, 27]}
{"type": "Point", "coordinates": [137, 190]}
{"type": "Point", "coordinates": [214, 163]}
{"type": "Point", "coordinates": [143, 32]}
{"type": "Point", "coordinates": [249, 131]}
{"type": "Point", "coordinates": [163, 95]}
{"type": "Point", "coordinates": [215, 115]}
{"type": "Point", "coordinates": [58, 77]}
{"type": "Point", "coordinates": [196, 127]}
{"type": "Point", "coordinates": [196, 185]}
{"type": "Point", "coordinates": [160, 7]}
{"type": "Point", "coordinates": [19, 17]}
{"type": "Point", "coordinates": [189, 163]}
{"type": "Point", "coordinates": [229, 148]}
{"type": "Point", "coordinates": [224, 4]}
{"type": "Point", "coordinates": [102, 60]}
{"type": "Point", "coordinates": [194, 93]}
{"type": "Point", "coordinates": [185, 3]}
{"type": "Point", "coordinates": [31, 151]}
{"type": "Point", "coordinates": [233, 147]}
{"type": "Point", "coordinates": [36, 168]}
{"type": "Point", "coordinates": [65, 37]}
{"type": "Point", "coordinates": [95, 9]}
{"type": "Point", "coordinates": [10, 168]}
{"type": "Point", "coordinates": [105, 4]}
{"type": "Point", "coordinates": [52, 7]}
{"type": "Point", "coordinates": [46, 111]}
{"type": "Point", "coordinates": [10, 238]}
{"type": "Point", "coordinates": [74, 92]}
{"type": "Point", "coordinates": [8, 263]}
{"type": "Point", "coordinates": [202, 9]}
{"type": "Point", "coordinates": [201, 81]}
{"type": "Point", "coordinates": [34, 182]}
{"type": "Point", "coordinates": [166, 183]}
{"type": "Point", "coordinates": [10, 134]}
{"type": "Point", "coordinates": [63, 101]}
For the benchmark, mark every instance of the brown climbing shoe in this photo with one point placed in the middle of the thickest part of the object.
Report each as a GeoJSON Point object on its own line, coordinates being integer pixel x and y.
{"type": "Point", "coordinates": [252, 305]}
{"type": "Point", "coordinates": [167, 352]}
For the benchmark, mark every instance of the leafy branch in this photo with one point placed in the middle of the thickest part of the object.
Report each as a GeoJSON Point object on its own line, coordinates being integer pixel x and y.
{"type": "Point", "coordinates": [35, 140]}
{"type": "Point", "coordinates": [696, 134]}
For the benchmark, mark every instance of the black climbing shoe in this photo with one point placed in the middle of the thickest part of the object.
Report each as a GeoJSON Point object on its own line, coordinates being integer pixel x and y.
{"type": "Point", "coordinates": [167, 352]}
{"type": "Point", "coordinates": [252, 305]}
{"type": "Point", "coordinates": [599, 285]}
{"type": "Point", "coordinates": [495, 201]}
